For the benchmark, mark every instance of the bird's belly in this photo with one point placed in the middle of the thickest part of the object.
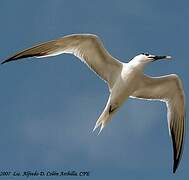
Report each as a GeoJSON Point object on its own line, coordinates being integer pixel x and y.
{"type": "Point", "coordinates": [125, 85]}
{"type": "Point", "coordinates": [121, 91]}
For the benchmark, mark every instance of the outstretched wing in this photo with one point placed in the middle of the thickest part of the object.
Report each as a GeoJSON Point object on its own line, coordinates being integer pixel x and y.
{"type": "Point", "coordinates": [169, 89]}
{"type": "Point", "coordinates": [87, 47]}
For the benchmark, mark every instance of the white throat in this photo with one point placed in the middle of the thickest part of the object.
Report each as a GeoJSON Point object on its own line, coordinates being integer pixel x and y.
{"type": "Point", "coordinates": [139, 63]}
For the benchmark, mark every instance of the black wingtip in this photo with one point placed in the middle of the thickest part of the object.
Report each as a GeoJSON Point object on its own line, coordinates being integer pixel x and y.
{"type": "Point", "coordinates": [18, 56]}
{"type": "Point", "coordinates": [8, 60]}
{"type": "Point", "coordinates": [175, 164]}
{"type": "Point", "coordinates": [4, 61]}
{"type": "Point", "coordinates": [174, 169]}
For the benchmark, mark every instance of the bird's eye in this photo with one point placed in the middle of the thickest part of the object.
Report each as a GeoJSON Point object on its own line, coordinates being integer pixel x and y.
{"type": "Point", "coordinates": [146, 54]}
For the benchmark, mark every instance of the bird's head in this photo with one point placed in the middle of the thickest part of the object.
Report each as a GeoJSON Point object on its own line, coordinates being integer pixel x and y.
{"type": "Point", "coordinates": [145, 58]}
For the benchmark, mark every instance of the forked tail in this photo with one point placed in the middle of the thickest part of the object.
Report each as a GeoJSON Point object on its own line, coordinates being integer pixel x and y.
{"type": "Point", "coordinates": [106, 116]}
{"type": "Point", "coordinates": [102, 120]}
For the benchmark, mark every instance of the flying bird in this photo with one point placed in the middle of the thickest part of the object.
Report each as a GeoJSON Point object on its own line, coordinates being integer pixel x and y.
{"type": "Point", "coordinates": [124, 80]}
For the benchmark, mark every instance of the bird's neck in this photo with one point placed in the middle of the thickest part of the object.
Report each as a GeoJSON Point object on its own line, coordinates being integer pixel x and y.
{"type": "Point", "coordinates": [138, 65]}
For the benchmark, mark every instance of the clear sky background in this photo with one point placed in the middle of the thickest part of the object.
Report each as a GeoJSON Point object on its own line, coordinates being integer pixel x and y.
{"type": "Point", "coordinates": [49, 106]}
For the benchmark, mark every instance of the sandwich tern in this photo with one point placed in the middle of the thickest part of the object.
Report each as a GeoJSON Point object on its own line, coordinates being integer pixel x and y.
{"type": "Point", "coordinates": [124, 80]}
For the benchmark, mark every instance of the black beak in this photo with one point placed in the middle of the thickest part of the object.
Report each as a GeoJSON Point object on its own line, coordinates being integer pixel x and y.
{"type": "Point", "coordinates": [161, 57]}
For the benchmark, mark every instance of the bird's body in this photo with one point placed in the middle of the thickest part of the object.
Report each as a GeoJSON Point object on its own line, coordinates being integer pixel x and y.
{"type": "Point", "coordinates": [124, 80]}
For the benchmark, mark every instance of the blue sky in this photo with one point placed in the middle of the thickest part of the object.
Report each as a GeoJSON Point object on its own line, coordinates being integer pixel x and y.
{"type": "Point", "coordinates": [49, 106]}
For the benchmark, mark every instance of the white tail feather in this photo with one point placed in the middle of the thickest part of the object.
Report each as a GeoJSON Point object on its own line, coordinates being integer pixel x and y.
{"type": "Point", "coordinates": [102, 121]}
